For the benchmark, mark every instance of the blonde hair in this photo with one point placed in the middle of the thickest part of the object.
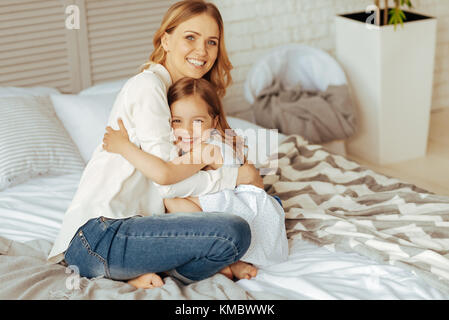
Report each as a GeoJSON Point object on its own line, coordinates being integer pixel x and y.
{"type": "Point", "coordinates": [186, 87]}
{"type": "Point", "coordinates": [220, 73]}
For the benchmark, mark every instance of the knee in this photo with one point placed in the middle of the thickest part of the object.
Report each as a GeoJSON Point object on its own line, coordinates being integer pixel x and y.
{"type": "Point", "coordinates": [239, 233]}
{"type": "Point", "coordinates": [168, 203]}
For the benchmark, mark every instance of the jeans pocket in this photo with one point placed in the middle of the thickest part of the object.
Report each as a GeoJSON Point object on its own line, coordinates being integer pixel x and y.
{"type": "Point", "coordinates": [89, 263]}
{"type": "Point", "coordinates": [108, 222]}
{"type": "Point", "coordinates": [104, 222]}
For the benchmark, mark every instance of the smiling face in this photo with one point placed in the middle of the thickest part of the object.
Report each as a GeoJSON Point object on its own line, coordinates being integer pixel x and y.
{"type": "Point", "coordinates": [191, 121]}
{"type": "Point", "coordinates": [192, 47]}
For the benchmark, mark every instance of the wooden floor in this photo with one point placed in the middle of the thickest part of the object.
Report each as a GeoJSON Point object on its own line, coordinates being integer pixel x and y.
{"type": "Point", "coordinates": [430, 172]}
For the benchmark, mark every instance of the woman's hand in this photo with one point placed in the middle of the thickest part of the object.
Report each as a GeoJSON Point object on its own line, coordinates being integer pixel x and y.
{"type": "Point", "coordinates": [116, 140]}
{"type": "Point", "coordinates": [212, 156]}
{"type": "Point", "coordinates": [213, 166]}
{"type": "Point", "coordinates": [248, 174]}
{"type": "Point", "coordinates": [201, 152]}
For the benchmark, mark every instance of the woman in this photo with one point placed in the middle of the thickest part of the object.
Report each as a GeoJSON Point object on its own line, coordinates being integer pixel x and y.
{"type": "Point", "coordinates": [115, 226]}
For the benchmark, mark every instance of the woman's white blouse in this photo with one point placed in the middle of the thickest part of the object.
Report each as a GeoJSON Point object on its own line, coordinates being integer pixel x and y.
{"type": "Point", "coordinates": [111, 187]}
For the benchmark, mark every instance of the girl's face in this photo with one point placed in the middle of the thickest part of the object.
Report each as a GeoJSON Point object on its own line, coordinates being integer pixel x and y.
{"type": "Point", "coordinates": [191, 121]}
{"type": "Point", "coordinates": [192, 47]}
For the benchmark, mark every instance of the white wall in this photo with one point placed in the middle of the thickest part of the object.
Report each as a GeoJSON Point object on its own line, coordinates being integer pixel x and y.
{"type": "Point", "coordinates": [439, 9]}
{"type": "Point", "coordinates": [253, 27]}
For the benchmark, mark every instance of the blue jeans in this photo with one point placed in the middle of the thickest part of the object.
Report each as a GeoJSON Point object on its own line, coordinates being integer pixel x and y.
{"type": "Point", "coordinates": [278, 200]}
{"type": "Point", "coordinates": [190, 246]}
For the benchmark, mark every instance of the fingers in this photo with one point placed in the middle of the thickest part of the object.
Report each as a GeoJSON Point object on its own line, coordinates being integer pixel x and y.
{"type": "Point", "coordinates": [105, 141]}
{"type": "Point", "coordinates": [158, 282]}
{"type": "Point", "coordinates": [248, 163]}
{"type": "Point", "coordinates": [121, 125]}
{"type": "Point", "coordinates": [147, 286]}
{"type": "Point", "coordinates": [147, 281]}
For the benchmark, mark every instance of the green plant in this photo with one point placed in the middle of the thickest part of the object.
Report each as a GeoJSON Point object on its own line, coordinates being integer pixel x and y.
{"type": "Point", "coordinates": [394, 15]}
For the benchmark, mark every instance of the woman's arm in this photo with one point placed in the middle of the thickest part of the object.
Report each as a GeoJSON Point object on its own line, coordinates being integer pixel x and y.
{"type": "Point", "coordinates": [154, 168]}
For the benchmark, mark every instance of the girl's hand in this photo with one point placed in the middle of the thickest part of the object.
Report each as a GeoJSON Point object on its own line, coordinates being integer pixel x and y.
{"type": "Point", "coordinates": [201, 152]}
{"type": "Point", "coordinates": [115, 140]}
{"type": "Point", "coordinates": [211, 155]}
{"type": "Point", "coordinates": [214, 166]}
{"type": "Point", "coordinates": [248, 174]}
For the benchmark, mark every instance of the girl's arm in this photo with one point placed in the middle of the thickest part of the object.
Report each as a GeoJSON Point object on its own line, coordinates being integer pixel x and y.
{"type": "Point", "coordinates": [153, 167]}
{"type": "Point", "coordinates": [147, 119]}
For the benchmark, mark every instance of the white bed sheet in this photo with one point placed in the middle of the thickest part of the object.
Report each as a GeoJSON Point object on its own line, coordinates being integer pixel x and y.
{"type": "Point", "coordinates": [315, 273]}
{"type": "Point", "coordinates": [35, 209]}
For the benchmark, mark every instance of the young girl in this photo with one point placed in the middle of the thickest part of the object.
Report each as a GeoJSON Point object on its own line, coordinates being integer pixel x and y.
{"type": "Point", "coordinates": [201, 129]}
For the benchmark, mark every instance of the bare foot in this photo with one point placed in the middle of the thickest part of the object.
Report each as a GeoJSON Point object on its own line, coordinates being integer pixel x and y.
{"type": "Point", "coordinates": [243, 270]}
{"type": "Point", "coordinates": [227, 272]}
{"type": "Point", "coordinates": [147, 281]}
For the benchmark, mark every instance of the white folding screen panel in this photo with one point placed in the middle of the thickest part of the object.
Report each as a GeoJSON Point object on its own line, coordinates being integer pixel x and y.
{"type": "Point", "coordinates": [39, 46]}
{"type": "Point", "coordinates": [33, 44]}
{"type": "Point", "coordinates": [120, 35]}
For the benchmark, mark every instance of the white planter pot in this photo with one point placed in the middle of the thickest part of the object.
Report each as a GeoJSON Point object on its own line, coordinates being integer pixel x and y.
{"type": "Point", "coordinates": [390, 73]}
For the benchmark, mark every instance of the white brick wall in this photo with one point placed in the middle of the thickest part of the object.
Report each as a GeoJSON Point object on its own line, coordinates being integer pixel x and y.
{"type": "Point", "coordinates": [253, 27]}
{"type": "Point", "coordinates": [439, 9]}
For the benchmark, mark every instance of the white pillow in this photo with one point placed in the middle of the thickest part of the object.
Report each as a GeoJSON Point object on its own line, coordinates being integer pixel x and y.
{"type": "Point", "coordinates": [261, 142]}
{"type": "Point", "coordinates": [33, 141]}
{"type": "Point", "coordinates": [237, 123]}
{"type": "Point", "coordinates": [31, 91]}
{"type": "Point", "coordinates": [85, 118]}
{"type": "Point", "coordinates": [293, 64]}
{"type": "Point", "coordinates": [106, 87]}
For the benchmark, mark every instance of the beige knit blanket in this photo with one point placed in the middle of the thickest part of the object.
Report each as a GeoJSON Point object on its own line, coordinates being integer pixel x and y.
{"type": "Point", "coordinates": [338, 204]}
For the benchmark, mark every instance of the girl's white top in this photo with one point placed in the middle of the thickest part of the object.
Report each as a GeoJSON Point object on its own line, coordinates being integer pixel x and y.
{"type": "Point", "coordinates": [265, 216]}
{"type": "Point", "coordinates": [111, 187]}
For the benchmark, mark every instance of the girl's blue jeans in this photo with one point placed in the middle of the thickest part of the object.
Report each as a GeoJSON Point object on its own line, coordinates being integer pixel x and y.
{"type": "Point", "coordinates": [189, 246]}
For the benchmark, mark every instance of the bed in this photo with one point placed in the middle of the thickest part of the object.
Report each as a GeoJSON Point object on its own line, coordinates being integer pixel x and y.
{"type": "Point", "coordinates": [353, 233]}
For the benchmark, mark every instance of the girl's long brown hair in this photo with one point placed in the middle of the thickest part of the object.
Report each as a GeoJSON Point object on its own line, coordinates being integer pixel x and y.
{"type": "Point", "coordinates": [186, 87]}
{"type": "Point", "coordinates": [220, 73]}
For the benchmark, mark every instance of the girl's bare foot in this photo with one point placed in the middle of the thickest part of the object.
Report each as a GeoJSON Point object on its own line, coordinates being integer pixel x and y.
{"type": "Point", "coordinates": [147, 281]}
{"type": "Point", "coordinates": [227, 272]}
{"type": "Point", "coordinates": [243, 270]}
